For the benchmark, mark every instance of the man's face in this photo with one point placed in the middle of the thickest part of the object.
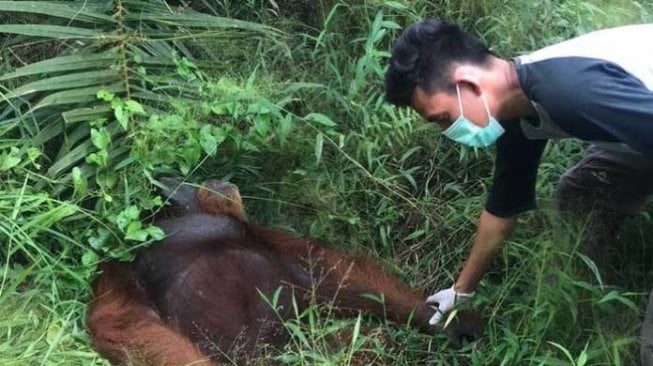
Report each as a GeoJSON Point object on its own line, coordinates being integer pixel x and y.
{"type": "Point", "coordinates": [443, 108]}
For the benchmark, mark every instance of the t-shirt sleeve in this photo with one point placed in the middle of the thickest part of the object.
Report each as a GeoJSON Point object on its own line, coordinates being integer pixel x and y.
{"type": "Point", "coordinates": [515, 172]}
{"type": "Point", "coordinates": [594, 100]}
{"type": "Point", "coordinates": [618, 103]}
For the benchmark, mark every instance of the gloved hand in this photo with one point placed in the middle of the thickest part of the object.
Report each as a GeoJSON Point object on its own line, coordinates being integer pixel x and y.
{"type": "Point", "coordinates": [446, 300]}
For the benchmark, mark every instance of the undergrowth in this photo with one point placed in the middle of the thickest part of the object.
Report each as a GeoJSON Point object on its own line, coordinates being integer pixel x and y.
{"type": "Point", "coordinates": [296, 119]}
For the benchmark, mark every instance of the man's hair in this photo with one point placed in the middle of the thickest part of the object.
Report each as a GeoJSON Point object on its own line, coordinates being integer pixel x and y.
{"type": "Point", "coordinates": [423, 57]}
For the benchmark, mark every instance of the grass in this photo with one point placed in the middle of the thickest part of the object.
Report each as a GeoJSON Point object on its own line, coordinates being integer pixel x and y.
{"type": "Point", "coordinates": [299, 124]}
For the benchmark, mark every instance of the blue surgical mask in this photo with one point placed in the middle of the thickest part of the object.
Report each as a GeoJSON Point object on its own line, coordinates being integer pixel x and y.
{"type": "Point", "coordinates": [466, 132]}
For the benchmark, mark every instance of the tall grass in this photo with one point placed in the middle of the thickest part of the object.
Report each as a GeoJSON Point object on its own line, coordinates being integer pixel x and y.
{"type": "Point", "coordinates": [299, 123]}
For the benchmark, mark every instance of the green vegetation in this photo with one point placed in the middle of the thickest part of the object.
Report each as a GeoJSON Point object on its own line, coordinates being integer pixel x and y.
{"type": "Point", "coordinates": [98, 99]}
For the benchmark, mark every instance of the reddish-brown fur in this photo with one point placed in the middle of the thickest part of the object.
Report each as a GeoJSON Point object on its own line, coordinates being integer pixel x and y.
{"type": "Point", "coordinates": [127, 330]}
{"type": "Point", "coordinates": [196, 298]}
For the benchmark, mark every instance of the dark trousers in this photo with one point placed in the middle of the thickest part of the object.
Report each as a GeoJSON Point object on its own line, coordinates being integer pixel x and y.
{"type": "Point", "coordinates": [607, 187]}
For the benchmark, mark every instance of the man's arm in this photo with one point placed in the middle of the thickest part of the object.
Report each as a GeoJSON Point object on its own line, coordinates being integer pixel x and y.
{"type": "Point", "coordinates": [491, 232]}
{"type": "Point", "coordinates": [512, 192]}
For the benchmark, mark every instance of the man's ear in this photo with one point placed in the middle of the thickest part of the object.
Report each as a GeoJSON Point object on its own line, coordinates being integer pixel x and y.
{"type": "Point", "coordinates": [467, 77]}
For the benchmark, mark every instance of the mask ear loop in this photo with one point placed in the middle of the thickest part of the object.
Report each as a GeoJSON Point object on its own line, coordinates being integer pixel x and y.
{"type": "Point", "coordinates": [487, 109]}
{"type": "Point", "coordinates": [460, 101]}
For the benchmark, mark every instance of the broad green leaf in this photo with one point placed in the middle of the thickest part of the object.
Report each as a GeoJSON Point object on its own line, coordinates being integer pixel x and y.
{"type": "Point", "coordinates": [46, 219]}
{"type": "Point", "coordinates": [121, 116]}
{"type": "Point", "coordinates": [89, 258]}
{"type": "Point", "coordinates": [105, 95]}
{"type": "Point", "coordinates": [78, 11]}
{"type": "Point", "coordinates": [135, 231]}
{"type": "Point", "coordinates": [51, 31]}
{"type": "Point", "coordinates": [155, 232]}
{"type": "Point", "coordinates": [134, 107]}
{"type": "Point", "coordinates": [69, 81]}
{"type": "Point", "coordinates": [194, 19]}
{"type": "Point", "coordinates": [65, 63]}
{"type": "Point", "coordinates": [98, 241]}
{"type": "Point", "coordinates": [47, 133]}
{"type": "Point", "coordinates": [86, 114]}
{"type": "Point", "coordinates": [80, 183]}
{"type": "Point", "coordinates": [99, 158]}
{"type": "Point", "coordinates": [81, 151]}
{"type": "Point", "coordinates": [143, 94]}
{"type": "Point", "coordinates": [395, 5]}
{"type": "Point", "coordinates": [320, 118]}
{"type": "Point", "coordinates": [76, 96]}
{"type": "Point", "coordinates": [8, 161]}
{"type": "Point", "coordinates": [101, 138]}
{"type": "Point", "coordinates": [207, 140]}
{"type": "Point", "coordinates": [126, 216]}
{"type": "Point", "coordinates": [156, 60]}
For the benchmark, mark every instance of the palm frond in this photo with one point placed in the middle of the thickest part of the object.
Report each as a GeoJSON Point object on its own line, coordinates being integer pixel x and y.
{"type": "Point", "coordinates": [126, 47]}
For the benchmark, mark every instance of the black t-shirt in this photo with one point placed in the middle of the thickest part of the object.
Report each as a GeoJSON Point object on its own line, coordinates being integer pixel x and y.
{"type": "Point", "coordinates": [597, 87]}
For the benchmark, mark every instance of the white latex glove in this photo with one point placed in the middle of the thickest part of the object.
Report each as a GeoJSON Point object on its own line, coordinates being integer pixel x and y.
{"type": "Point", "coordinates": [446, 300]}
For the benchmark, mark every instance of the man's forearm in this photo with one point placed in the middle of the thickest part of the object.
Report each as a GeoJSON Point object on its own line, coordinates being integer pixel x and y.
{"type": "Point", "coordinates": [491, 232]}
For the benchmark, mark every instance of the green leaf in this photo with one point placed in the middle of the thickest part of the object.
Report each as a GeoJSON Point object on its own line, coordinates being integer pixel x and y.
{"type": "Point", "coordinates": [76, 96]}
{"type": "Point", "coordinates": [320, 118]}
{"type": "Point", "coordinates": [73, 156]}
{"type": "Point", "coordinates": [592, 266]}
{"type": "Point", "coordinates": [155, 232]}
{"type": "Point", "coordinates": [81, 11]}
{"type": "Point", "coordinates": [80, 183]}
{"type": "Point", "coordinates": [86, 114]}
{"type": "Point", "coordinates": [415, 234]}
{"type": "Point", "coordinates": [564, 350]}
{"type": "Point", "coordinates": [89, 258]}
{"type": "Point", "coordinates": [51, 31]}
{"type": "Point", "coordinates": [582, 359]}
{"type": "Point", "coordinates": [207, 140]}
{"type": "Point", "coordinates": [355, 335]}
{"type": "Point", "coordinates": [121, 116]}
{"type": "Point", "coordinates": [377, 298]}
{"type": "Point", "coordinates": [33, 154]}
{"type": "Point", "coordinates": [134, 232]}
{"type": "Point", "coordinates": [101, 138]}
{"type": "Point", "coordinates": [319, 143]}
{"type": "Point", "coordinates": [450, 317]}
{"type": "Point", "coordinates": [74, 80]}
{"type": "Point", "coordinates": [65, 63]}
{"type": "Point", "coordinates": [126, 216]}
{"type": "Point", "coordinates": [8, 161]}
{"type": "Point", "coordinates": [53, 334]}
{"type": "Point", "coordinates": [395, 5]}
{"type": "Point", "coordinates": [285, 124]}
{"type": "Point", "coordinates": [134, 107]}
{"type": "Point", "coordinates": [105, 95]}
{"type": "Point", "coordinates": [195, 19]}
{"type": "Point", "coordinates": [99, 158]}
{"type": "Point", "coordinates": [97, 241]}
{"type": "Point", "coordinates": [615, 295]}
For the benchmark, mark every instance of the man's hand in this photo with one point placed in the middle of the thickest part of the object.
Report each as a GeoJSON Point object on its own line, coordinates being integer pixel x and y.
{"type": "Point", "coordinates": [446, 300]}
